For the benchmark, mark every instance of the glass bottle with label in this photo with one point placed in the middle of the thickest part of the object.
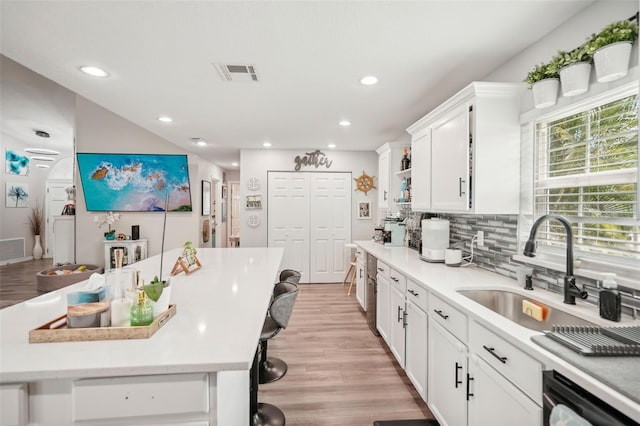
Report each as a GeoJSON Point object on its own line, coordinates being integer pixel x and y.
{"type": "Point", "coordinates": [142, 311]}
{"type": "Point", "coordinates": [404, 163]}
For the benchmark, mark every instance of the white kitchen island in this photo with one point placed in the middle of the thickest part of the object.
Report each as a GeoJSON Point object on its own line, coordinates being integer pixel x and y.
{"type": "Point", "coordinates": [193, 371]}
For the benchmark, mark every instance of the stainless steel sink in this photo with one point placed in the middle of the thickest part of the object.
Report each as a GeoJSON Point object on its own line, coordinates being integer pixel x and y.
{"type": "Point", "coordinates": [509, 305]}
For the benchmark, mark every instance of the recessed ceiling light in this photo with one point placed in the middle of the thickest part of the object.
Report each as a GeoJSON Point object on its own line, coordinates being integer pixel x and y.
{"type": "Point", "coordinates": [234, 164]}
{"type": "Point", "coordinates": [165, 119]}
{"type": "Point", "coordinates": [345, 123]}
{"type": "Point", "coordinates": [94, 71]}
{"type": "Point", "coordinates": [42, 166]}
{"type": "Point", "coordinates": [42, 158]}
{"type": "Point", "coordinates": [331, 145]}
{"type": "Point", "coordinates": [369, 80]}
{"type": "Point", "coordinates": [266, 144]}
{"type": "Point", "coordinates": [41, 151]}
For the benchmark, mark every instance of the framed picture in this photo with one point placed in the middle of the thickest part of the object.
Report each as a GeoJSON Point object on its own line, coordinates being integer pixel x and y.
{"type": "Point", "coordinates": [206, 198]}
{"type": "Point", "coordinates": [364, 209]}
{"type": "Point", "coordinates": [16, 164]}
{"type": "Point", "coordinates": [206, 231]}
{"type": "Point", "coordinates": [17, 195]}
{"type": "Point", "coordinates": [224, 192]}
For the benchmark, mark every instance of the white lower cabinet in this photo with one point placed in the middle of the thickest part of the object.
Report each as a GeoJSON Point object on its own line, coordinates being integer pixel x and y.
{"type": "Point", "coordinates": [447, 382]}
{"type": "Point", "coordinates": [361, 281]}
{"type": "Point", "coordinates": [416, 348]}
{"type": "Point", "coordinates": [396, 328]}
{"type": "Point", "coordinates": [382, 306]}
{"type": "Point", "coordinates": [494, 401]}
{"type": "Point", "coordinates": [14, 402]}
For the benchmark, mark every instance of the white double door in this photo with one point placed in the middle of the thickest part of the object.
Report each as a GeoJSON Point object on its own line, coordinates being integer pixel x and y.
{"type": "Point", "coordinates": [309, 214]}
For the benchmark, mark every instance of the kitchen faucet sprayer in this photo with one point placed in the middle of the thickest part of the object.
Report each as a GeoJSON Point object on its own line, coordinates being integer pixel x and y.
{"type": "Point", "coordinates": [570, 288]}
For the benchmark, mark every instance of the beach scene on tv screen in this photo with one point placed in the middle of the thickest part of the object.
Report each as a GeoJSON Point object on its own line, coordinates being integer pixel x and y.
{"type": "Point", "coordinates": [134, 182]}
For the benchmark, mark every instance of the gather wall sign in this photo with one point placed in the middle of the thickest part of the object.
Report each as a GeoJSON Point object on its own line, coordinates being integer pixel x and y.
{"type": "Point", "coordinates": [316, 158]}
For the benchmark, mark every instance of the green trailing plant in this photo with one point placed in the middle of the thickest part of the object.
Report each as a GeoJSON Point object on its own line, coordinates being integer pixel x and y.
{"type": "Point", "coordinates": [154, 289]}
{"type": "Point", "coordinates": [563, 59]}
{"type": "Point", "coordinates": [541, 72]}
{"type": "Point", "coordinates": [613, 33]}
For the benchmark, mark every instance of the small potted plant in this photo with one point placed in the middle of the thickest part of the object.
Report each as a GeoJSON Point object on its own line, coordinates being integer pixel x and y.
{"type": "Point", "coordinates": [109, 220]}
{"type": "Point", "coordinates": [574, 69]}
{"type": "Point", "coordinates": [611, 49]}
{"type": "Point", "coordinates": [543, 82]}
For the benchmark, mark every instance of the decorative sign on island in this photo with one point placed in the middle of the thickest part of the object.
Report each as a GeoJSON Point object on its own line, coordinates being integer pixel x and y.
{"type": "Point", "coordinates": [316, 158]}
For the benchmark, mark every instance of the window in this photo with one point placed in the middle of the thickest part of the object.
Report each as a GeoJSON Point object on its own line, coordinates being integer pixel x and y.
{"type": "Point", "coordinates": [586, 169]}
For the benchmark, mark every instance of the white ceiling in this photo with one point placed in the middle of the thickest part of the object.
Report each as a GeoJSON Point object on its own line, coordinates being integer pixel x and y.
{"type": "Point", "coordinates": [310, 56]}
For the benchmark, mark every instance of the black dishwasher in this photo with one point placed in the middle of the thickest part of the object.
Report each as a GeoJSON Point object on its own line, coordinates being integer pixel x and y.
{"type": "Point", "coordinates": [372, 290]}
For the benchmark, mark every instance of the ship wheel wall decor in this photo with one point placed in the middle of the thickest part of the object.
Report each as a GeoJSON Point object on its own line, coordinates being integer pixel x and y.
{"type": "Point", "coordinates": [364, 183]}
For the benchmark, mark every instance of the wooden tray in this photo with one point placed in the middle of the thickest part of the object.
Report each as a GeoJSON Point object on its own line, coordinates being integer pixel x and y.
{"type": "Point", "coordinates": [60, 333]}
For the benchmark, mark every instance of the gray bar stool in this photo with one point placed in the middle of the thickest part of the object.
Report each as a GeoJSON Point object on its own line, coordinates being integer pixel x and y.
{"type": "Point", "coordinates": [290, 275]}
{"type": "Point", "coordinates": [284, 297]}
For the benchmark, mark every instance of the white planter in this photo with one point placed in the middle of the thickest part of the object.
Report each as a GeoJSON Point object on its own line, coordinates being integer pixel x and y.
{"type": "Point", "coordinates": [574, 78]}
{"type": "Point", "coordinates": [545, 92]}
{"type": "Point", "coordinates": [37, 248]}
{"type": "Point", "coordinates": [612, 61]}
{"type": "Point", "coordinates": [163, 302]}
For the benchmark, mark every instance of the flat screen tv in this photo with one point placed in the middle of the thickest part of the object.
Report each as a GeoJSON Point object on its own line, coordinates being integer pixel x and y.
{"type": "Point", "coordinates": [134, 182]}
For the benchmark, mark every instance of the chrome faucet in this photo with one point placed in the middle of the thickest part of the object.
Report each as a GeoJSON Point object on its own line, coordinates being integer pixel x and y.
{"type": "Point", "coordinates": [570, 288]}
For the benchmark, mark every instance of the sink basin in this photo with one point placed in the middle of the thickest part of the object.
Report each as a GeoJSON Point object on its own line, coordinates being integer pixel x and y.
{"type": "Point", "coordinates": [509, 305]}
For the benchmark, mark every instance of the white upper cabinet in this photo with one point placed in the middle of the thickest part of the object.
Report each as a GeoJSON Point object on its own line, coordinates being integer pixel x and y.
{"type": "Point", "coordinates": [389, 159]}
{"type": "Point", "coordinates": [384, 155]}
{"type": "Point", "coordinates": [421, 171]}
{"type": "Point", "coordinates": [473, 160]}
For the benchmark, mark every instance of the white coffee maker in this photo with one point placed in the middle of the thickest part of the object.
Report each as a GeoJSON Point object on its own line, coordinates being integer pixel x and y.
{"type": "Point", "coordinates": [435, 239]}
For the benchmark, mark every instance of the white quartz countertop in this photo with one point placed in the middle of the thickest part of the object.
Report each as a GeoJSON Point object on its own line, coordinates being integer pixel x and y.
{"type": "Point", "coordinates": [220, 313]}
{"type": "Point", "coordinates": [444, 281]}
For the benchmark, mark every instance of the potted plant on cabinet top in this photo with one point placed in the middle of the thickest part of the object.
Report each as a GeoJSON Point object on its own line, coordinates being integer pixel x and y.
{"type": "Point", "coordinates": [543, 82]}
{"type": "Point", "coordinates": [611, 49]}
{"type": "Point", "coordinates": [574, 69]}
{"type": "Point", "coordinates": [35, 221]}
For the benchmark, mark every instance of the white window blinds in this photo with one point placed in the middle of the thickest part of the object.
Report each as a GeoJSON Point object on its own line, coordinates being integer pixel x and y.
{"type": "Point", "coordinates": [586, 169]}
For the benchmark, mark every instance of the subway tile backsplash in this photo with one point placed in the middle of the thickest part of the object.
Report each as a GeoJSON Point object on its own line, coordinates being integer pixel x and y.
{"type": "Point", "coordinates": [500, 244]}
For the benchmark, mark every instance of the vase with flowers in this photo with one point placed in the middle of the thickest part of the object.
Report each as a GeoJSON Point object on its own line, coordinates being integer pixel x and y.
{"type": "Point", "coordinates": [109, 220]}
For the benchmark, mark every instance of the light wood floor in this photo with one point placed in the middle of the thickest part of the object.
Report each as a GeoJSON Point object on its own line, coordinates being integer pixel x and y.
{"type": "Point", "coordinates": [18, 281]}
{"type": "Point", "coordinates": [339, 372]}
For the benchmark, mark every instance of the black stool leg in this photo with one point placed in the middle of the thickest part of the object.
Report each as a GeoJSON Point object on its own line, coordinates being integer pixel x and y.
{"type": "Point", "coordinates": [271, 369]}
{"type": "Point", "coordinates": [261, 414]}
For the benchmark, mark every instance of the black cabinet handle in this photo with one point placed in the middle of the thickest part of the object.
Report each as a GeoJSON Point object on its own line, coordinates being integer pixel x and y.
{"type": "Point", "coordinates": [413, 292]}
{"type": "Point", "coordinates": [380, 269]}
{"type": "Point", "coordinates": [395, 279]}
{"type": "Point", "coordinates": [385, 196]}
{"type": "Point", "coordinates": [404, 319]}
{"type": "Point", "coordinates": [458, 382]}
{"type": "Point", "coordinates": [439, 312]}
{"type": "Point", "coordinates": [502, 359]}
{"type": "Point", "coordinates": [469, 378]}
{"type": "Point", "coordinates": [460, 191]}
{"type": "Point", "coordinates": [399, 315]}
{"type": "Point", "coordinates": [360, 273]}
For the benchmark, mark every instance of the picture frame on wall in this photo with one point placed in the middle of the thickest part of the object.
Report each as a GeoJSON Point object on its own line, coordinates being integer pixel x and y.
{"type": "Point", "coordinates": [206, 198]}
{"type": "Point", "coordinates": [364, 209]}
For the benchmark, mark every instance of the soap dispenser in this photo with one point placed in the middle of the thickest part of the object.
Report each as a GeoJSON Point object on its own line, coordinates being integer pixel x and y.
{"type": "Point", "coordinates": [610, 299]}
{"type": "Point", "coordinates": [142, 311]}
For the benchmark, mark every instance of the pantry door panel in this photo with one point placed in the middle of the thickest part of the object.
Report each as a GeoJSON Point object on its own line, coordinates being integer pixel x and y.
{"type": "Point", "coordinates": [330, 225]}
{"type": "Point", "coordinates": [288, 219]}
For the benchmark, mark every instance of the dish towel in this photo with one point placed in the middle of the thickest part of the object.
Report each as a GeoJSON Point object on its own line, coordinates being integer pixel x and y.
{"type": "Point", "coordinates": [561, 415]}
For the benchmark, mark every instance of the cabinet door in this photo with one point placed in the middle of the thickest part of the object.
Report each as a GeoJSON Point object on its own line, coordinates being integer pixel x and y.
{"type": "Point", "coordinates": [416, 348]}
{"type": "Point", "coordinates": [447, 385]}
{"type": "Point", "coordinates": [361, 282]}
{"type": "Point", "coordinates": [450, 168]}
{"type": "Point", "coordinates": [421, 172]}
{"type": "Point", "coordinates": [494, 401]}
{"type": "Point", "coordinates": [396, 328]}
{"type": "Point", "coordinates": [382, 308]}
{"type": "Point", "coordinates": [383, 180]}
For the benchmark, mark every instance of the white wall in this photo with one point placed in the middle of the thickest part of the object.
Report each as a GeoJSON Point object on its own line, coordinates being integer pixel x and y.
{"type": "Point", "coordinates": [99, 130]}
{"type": "Point", "coordinates": [256, 163]}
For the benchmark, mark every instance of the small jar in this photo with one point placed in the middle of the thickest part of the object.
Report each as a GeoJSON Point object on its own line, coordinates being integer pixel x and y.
{"type": "Point", "coordinates": [142, 311]}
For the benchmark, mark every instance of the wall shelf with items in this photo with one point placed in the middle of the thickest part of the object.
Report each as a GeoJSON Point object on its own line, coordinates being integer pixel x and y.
{"type": "Point", "coordinates": [134, 251]}
{"type": "Point", "coordinates": [403, 173]}
{"type": "Point", "coordinates": [254, 202]}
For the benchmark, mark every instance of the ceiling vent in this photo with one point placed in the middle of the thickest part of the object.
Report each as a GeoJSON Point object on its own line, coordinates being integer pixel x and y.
{"type": "Point", "coordinates": [237, 72]}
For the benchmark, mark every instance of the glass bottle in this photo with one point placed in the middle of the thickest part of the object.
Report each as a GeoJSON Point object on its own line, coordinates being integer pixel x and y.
{"type": "Point", "coordinates": [142, 311]}
{"type": "Point", "coordinates": [404, 164]}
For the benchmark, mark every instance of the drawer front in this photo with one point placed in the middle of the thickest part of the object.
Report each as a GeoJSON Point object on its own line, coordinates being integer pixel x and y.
{"type": "Point", "coordinates": [398, 280]}
{"type": "Point", "coordinates": [417, 294]}
{"type": "Point", "coordinates": [516, 366]}
{"type": "Point", "coordinates": [14, 401]}
{"type": "Point", "coordinates": [140, 396]}
{"type": "Point", "coordinates": [383, 269]}
{"type": "Point", "coordinates": [448, 316]}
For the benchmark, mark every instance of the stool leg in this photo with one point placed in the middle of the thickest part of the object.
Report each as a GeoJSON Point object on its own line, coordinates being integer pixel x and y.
{"type": "Point", "coordinates": [346, 276]}
{"type": "Point", "coordinates": [353, 279]}
{"type": "Point", "coordinates": [261, 414]}
{"type": "Point", "coordinates": [270, 369]}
